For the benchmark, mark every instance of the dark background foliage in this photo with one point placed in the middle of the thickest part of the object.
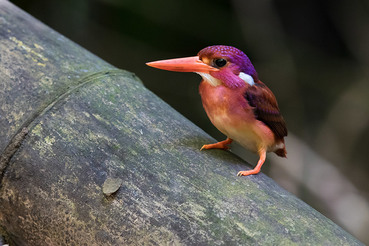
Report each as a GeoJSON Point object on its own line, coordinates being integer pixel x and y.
{"type": "Point", "coordinates": [313, 54]}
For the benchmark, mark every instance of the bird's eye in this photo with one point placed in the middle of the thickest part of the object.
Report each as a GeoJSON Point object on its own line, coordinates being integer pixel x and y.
{"type": "Point", "coordinates": [220, 62]}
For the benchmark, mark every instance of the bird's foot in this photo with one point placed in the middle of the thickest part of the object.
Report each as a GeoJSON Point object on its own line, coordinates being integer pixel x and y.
{"type": "Point", "coordinates": [220, 145]}
{"type": "Point", "coordinates": [247, 173]}
{"type": "Point", "coordinates": [256, 170]}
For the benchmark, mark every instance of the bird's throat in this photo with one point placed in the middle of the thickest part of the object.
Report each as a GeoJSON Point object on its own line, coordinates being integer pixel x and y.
{"type": "Point", "coordinates": [210, 79]}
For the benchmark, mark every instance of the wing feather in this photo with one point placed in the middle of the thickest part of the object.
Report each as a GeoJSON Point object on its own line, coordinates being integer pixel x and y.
{"type": "Point", "coordinates": [265, 105]}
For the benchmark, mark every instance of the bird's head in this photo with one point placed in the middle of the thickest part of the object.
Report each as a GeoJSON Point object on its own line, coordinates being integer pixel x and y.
{"type": "Point", "coordinates": [218, 65]}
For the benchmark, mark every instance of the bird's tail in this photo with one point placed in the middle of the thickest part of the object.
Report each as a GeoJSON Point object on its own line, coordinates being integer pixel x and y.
{"type": "Point", "coordinates": [281, 152]}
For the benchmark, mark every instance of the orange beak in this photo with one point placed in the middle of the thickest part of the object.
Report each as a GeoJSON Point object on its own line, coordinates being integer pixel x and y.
{"type": "Point", "coordinates": [187, 64]}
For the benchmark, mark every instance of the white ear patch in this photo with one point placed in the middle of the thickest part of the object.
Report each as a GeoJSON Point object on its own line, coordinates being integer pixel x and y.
{"type": "Point", "coordinates": [247, 78]}
{"type": "Point", "coordinates": [210, 79]}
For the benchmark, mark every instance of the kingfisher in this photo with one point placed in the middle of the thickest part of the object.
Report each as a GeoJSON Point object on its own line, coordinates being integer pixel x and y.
{"type": "Point", "coordinates": [237, 103]}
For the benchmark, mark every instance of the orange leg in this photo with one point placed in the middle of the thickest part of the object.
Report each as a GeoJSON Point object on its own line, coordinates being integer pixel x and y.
{"type": "Point", "coordinates": [256, 170]}
{"type": "Point", "coordinates": [220, 145]}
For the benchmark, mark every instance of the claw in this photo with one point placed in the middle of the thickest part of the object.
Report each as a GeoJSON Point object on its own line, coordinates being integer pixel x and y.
{"type": "Point", "coordinates": [247, 173]}
{"type": "Point", "coordinates": [220, 145]}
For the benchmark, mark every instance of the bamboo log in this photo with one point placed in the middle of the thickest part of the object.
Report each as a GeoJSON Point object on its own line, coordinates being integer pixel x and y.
{"type": "Point", "coordinates": [89, 156]}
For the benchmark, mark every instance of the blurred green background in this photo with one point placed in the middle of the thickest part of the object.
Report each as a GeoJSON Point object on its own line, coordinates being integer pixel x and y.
{"type": "Point", "coordinates": [313, 54]}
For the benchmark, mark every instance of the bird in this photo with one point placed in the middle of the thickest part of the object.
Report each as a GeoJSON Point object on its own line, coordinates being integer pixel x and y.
{"type": "Point", "coordinates": [237, 103]}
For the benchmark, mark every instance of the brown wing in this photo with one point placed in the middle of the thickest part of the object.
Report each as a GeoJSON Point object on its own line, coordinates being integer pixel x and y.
{"type": "Point", "coordinates": [265, 105]}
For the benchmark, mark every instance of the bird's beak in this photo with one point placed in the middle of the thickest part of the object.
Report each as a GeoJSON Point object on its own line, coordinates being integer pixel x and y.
{"type": "Point", "coordinates": [187, 64]}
